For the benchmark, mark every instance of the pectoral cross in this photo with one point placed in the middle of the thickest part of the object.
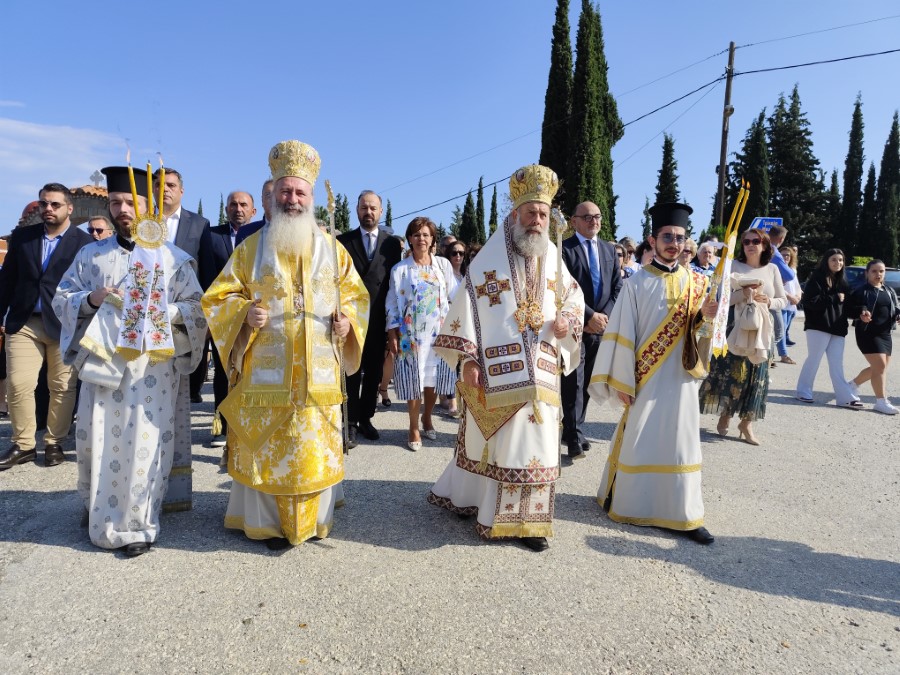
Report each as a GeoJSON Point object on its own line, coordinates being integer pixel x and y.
{"type": "Point", "coordinates": [268, 288]}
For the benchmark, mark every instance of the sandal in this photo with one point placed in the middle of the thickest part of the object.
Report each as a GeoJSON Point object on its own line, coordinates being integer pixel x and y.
{"type": "Point", "coordinates": [787, 359]}
{"type": "Point", "coordinates": [385, 401]}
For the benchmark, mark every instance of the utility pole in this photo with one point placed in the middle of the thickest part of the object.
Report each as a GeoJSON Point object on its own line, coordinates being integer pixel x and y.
{"type": "Point", "coordinates": [723, 154]}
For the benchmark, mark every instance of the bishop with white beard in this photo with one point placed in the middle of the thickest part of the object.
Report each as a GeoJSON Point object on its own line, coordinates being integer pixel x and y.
{"type": "Point", "coordinates": [272, 315]}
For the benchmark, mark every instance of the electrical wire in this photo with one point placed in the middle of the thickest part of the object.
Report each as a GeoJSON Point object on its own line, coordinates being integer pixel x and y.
{"type": "Point", "coordinates": [815, 63]}
{"type": "Point", "coordinates": [815, 32]}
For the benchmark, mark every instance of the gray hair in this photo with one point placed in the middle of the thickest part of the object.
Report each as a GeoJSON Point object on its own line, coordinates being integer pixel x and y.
{"type": "Point", "coordinates": [105, 219]}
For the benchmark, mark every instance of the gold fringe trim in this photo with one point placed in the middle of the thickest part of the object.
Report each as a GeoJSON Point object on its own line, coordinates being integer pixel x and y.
{"type": "Point", "coordinates": [659, 468]}
{"type": "Point", "coordinates": [680, 525]}
{"type": "Point", "coordinates": [176, 507]}
{"type": "Point", "coordinates": [237, 523]}
{"type": "Point", "coordinates": [181, 471]}
{"type": "Point", "coordinates": [309, 488]}
{"type": "Point", "coordinates": [281, 399]}
{"type": "Point", "coordinates": [521, 530]}
{"type": "Point", "coordinates": [525, 395]}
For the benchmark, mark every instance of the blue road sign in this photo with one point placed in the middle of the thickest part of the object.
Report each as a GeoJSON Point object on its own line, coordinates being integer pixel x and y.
{"type": "Point", "coordinates": [765, 224]}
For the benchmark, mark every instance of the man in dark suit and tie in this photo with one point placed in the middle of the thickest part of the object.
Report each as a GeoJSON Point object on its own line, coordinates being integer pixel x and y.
{"type": "Point", "coordinates": [184, 228]}
{"type": "Point", "coordinates": [374, 253]}
{"type": "Point", "coordinates": [248, 229]}
{"type": "Point", "coordinates": [38, 257]}
{"type": "Point", "coordinates": [216, 246]}
{"type": "Point", "coordinates": [595, 267]}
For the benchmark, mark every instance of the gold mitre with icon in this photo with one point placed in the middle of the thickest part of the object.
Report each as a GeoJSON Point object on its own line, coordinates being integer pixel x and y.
{"type": "Point", "coordinates": [533, 183]}
{"type": "Point", "coordinates": [148, 230]}
{"type": "Point", "coordinates": [295, 158]}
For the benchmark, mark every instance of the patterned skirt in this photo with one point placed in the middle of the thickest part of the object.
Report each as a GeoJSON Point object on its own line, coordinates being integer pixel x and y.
{"type": "Point", "coordinates": [406, 377]}
{"type": "Point", "coordinates": [736, 386]}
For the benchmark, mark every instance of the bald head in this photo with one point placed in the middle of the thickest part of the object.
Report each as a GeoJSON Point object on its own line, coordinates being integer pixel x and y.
{"type": "Point", "coordinates": [587, 219]}
{"type": "Point", "coordinates": [239, 209]}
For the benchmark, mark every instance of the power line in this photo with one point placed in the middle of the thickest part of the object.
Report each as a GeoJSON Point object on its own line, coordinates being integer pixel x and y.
{"type": "Point", "coordinates": [815, 63]}
{"type": "Point", "coordinates": [674, 72]}
{"type": "Point", "coordinates": [815, 32]}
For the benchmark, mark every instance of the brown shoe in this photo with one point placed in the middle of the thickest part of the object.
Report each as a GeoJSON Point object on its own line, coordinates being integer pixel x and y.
{"type": "Point", "coordinates": [53, 454]}
{"type": "Point", "coordinates": [15, 455]}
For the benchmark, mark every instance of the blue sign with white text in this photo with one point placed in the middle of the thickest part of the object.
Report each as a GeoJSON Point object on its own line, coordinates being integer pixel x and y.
{"type": "Point", "coordinates": [765, 224]}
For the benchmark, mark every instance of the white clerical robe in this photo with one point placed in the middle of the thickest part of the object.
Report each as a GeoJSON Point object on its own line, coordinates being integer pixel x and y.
{"type": "Point", "coordinates": [507, 451]}
{"type": "Point", "coordinates": [653, 471]}
{"type": "Point", "coordinates": [133, 435]}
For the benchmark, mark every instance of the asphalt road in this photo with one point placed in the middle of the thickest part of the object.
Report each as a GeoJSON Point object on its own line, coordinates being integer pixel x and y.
{"type": "Point", "coordinates": [804, 575]}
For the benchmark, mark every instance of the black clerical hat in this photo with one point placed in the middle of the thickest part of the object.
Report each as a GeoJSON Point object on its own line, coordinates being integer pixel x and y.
{"type": "Point", "coordinates": [670, 213]}
{"type": "Point", "coordinates": [117, 180]}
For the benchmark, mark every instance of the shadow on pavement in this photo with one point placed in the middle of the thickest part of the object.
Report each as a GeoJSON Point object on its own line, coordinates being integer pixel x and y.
{"type": "Point", "coordinates": [783, 568]}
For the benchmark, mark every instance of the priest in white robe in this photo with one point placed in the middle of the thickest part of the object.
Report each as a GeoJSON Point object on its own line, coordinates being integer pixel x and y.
{"type": "Point", "coordinates": [515, 326]}
{"type": "Point", "coordinates": [647, 363]}
{"type": "Point", "coordinates": [272, 315]}
{"type": "Point", "coordinates": [132, 325]}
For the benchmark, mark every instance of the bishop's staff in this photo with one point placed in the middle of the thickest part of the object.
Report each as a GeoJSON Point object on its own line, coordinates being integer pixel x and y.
{"type": "Point", "coordinates": [337, 313]}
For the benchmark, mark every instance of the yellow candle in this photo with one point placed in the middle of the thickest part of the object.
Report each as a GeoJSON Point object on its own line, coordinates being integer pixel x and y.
{"type": "Point", "coordinates": [741, 214]}
{"type": "Point", "coordinates": [149, 189]}
{"type": "Point", "coordinates": [729, 229]}
{"type": "Point", "coordinates": [137, 212]}
{"type": "Point", "coordinates": [162, 185]}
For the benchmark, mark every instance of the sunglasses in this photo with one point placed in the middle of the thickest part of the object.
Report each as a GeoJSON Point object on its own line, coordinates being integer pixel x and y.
{"type": "Point", "coordinates": [751, 242]}
{"type": "Point", "coordinates": [96, 230]}
{"type": "Point", "coordinates": [53, 205]}
{"type": "Point", "coordinates": [668, 238]}
{"type": "Point", "coordinates": [453, 254]}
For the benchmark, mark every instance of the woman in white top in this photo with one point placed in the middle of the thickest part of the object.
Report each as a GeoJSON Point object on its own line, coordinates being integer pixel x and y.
{"type": "Point", "coordinates": [735, 385]}
{"type": "Point", "coordinates": [418, 300]}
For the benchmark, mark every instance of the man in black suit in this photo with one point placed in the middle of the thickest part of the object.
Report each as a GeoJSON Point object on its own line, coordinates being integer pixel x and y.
{"type": "Point", "coordinates": [595, 266]}
{"type": "Point", "coordinates": [38, 257]}
{"type": "Point", "coordinates": [216, 247]}
{"type": "Point", "coordinates": [185, 228]}
{"type": "Point", "coordinates": [374, 253]}
{"type": "Point", "coordinates": [248, 229]}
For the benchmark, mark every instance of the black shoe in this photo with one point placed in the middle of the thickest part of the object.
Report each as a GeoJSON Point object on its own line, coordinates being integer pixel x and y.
{"type": "Point", "coordinates": [537, 544]}
{"type": "Point", "coordinates": [196, 398]}
{"type": "Point", "coordinates": [15, 455]}
{"type": "Point", "coordinates": [136, 549]}
{"type": "Point", "coordinates": [585, 446]}
{"type": "Point", "coordinates": [701, 535]}
{"type": "Point", "coordinates": [85, 519]}
{"type": "Point", "coordinates": [368, 431]}
{"type": "Point", "coordinates": [277, 544]}
{"type": "Point", "coordinates": [53, 455]}
{"type": "Point", "coordinates": [575, 451]}
{"type": "Point", "coordinates": [351, 437]}
{"type": "Point", "coordinates": [790, 343]}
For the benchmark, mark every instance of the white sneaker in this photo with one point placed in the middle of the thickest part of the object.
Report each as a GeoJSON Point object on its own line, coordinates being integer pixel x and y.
{"type": "Point", "coordinates": [854, 389]}
{"type": "Point", "coordinates": [884, 407]}
{"type": "Point", "coordinates": [217, 441]}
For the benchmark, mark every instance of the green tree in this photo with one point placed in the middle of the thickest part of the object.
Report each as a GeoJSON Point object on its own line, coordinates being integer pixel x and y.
{"type": "Point", "coordinates": [456, 221]}
{"type": "Point", "coordinates": [833, 207]}
{"type": "Point", "coordinates": [558, 99]}
{"type": "Point", "coordinates": [341, 213]}
{"type": "Point", "coordinates": [868, 218]}
{"type": "Point", "coordinates": [492, 223]}
{"type": "Point", "coordinates": [479, 211]}
{"type": "Point", "coordinates": [846, 232]}
{"type": "Point", "coordinates": [388, 218]}
{"type": "Point", "coordinates": [321, 213]}
{"type": "Point", "coordinates": [646, 223]}
{"type": "Point", "coordinates": [667, 176]}
{"type": "Point", "coordinates": [222, 219]}
{"type": "Point", "coordinates": [887, 197]}
{"type": "Point", "coordinates": [595, 124]}
{"type": "Point", "coordinates": [200, 208]}
{"type": "Point", "coordinates": [796, 184]}
{"type": "Point", "coordinates": [752, 165]}
{"type": "Point", "coordinates": [468, 227]}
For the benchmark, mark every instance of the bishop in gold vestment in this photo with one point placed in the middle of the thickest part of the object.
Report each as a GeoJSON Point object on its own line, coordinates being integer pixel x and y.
{"type": "Point", "coordinates": [272, 317]}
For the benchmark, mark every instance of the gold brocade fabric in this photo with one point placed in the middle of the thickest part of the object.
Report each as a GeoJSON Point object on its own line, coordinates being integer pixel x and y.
{"type": "Point", "coordinates": [294, 449]}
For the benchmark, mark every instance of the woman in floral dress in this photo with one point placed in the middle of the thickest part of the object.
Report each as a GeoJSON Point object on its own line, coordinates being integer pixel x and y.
{"type": "Point", "coordinates": [418, 300]}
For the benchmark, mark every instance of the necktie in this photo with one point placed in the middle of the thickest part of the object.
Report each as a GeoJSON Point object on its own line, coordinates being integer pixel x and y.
{"type": "Point", "coordinates": [595, 269]}
{"type": "Point", "coordinates": [370, 245]}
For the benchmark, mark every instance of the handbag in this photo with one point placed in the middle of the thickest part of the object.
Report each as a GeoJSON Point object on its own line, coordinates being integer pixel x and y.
{"type": "Point", "coordinates": [749, 317]}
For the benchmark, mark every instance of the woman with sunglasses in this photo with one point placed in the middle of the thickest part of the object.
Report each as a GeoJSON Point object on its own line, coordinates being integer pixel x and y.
{"type": "Point", "coordinates": [826, 327]}
{"type": "Point", "coordinates": [622, 255]}
{"type": "Point", "coordinates": [735, 384]}
{"type": "Point", "coordinates": [875, 311]}
{"type": "Point", "coordinates": [456, 254]}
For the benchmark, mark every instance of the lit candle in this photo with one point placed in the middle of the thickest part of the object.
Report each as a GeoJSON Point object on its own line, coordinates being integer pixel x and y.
{"type": "Point", "coordinates": [149, 188]}
{"type": "Point", "coordinates": [137, 213]}
{"type": "Point", "coordinates": [741, 213]}
{"type": "Point", "coordinates": [729, 229]}
{"type": "Point", "coordinates": [162, 185]}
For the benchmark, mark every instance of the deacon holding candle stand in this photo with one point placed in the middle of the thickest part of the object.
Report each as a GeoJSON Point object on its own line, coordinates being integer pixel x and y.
{"type": "Point", "coordinates": [514, 327]}
{"type": "Point", "coordinates": [649, 362]}
{"type": "Point", "coordinates": [132, 325]}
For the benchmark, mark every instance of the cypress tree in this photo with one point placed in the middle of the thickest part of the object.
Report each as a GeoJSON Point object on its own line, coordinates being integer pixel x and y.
{"type": "Point", "coordinates": [846, 233]}
{"type": "Point", "coordinates": [833, 210]}
{"type": "Point", "coordinates": [479, 211]}
{"type": "Point", "coordinates": [492, 223]}
{"type": "Point", "coordinates": [456, 222]}
{"type": "Point", "coordinates": [388, 218]}
{"type": "Point", "coordinates": [868, 218]}
{"type": "Point", "coordinates": [667, 177]}
{"type": "Point", "coordinates": [341, 213]}
{"type": "Point", "coordinates": [468, 227]}
{"type": "Point", "coordinates": [222, 219]}
{"type": "Point", "coordinates": [751, 164]}
{"type": "Point", "coordinates": [796, 186]}
{"type": "Point", "coordinates": [646, 223]}
{"type": "Point", "coordinates": [887, 198]}
{"type": "Point", "coordinates": [595, 124]}
{"type": "Point", "coordinates": [200, 208]}
{"type": "Point", "coordinates": [558, 99]}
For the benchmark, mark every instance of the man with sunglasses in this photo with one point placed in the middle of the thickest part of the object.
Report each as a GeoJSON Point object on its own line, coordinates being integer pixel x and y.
{"type": "Point", "coordinates": [595, 266]}
{"type": "Point", "coordinates": [652, 476]}
{"type": "Point", "coordinates": [38, 257]}
{"type": "Point", "coordinates": [100, 227]}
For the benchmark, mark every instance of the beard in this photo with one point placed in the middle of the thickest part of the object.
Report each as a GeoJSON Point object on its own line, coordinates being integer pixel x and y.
{"type": "Point", "coordinates": [530, 244]}
{"type": "Point", "coordinates": [291, 231]}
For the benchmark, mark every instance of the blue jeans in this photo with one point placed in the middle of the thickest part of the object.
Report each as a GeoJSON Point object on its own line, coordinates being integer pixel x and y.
{"type": "Point", "coordinates": [786, 317]}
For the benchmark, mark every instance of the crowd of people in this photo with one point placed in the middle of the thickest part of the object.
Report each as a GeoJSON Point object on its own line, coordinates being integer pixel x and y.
{"type": "Point", "coordinates": [307, 331]}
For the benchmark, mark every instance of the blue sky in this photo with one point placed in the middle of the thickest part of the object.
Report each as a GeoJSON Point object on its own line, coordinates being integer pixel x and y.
{"type": "Point", "coordinates": [415, 100]}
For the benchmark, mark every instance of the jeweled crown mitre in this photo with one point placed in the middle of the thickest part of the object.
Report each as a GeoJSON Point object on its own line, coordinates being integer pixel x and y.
{"type": "Point", "coordinates": [533, 183]}
{"type": "Point", "coordinates": [295, 158]}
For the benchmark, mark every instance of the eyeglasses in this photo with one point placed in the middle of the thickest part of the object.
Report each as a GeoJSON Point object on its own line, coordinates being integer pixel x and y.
{"type": "Point", "coordinates": [53, 205]}
{"type": "Point", "coordinates": [453, 254]}
{"type": "Point", "coordinates": [751, 242]}
{"type": "Point", "coordinates": [96, 230]}
{"type": "Point", "coordinates": [668, 238]}
{"type": "Point", "coordinates": [596, 217]}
